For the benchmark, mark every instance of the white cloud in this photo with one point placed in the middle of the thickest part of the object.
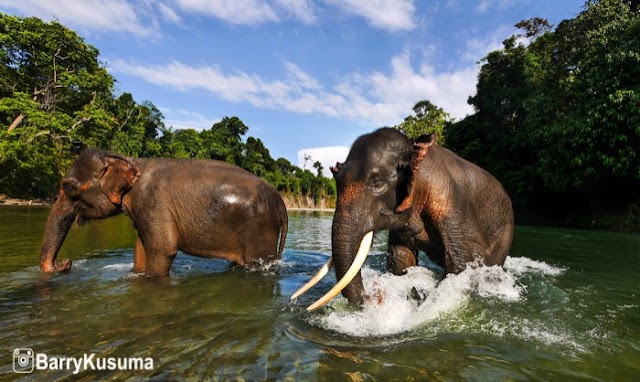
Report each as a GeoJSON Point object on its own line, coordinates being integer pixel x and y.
{"type": "Point", "coordinates": [168, 13]}
{"type": "Point", "coordinates": [185, 119]}
{"type": "Point", "coordinates": [386, 14]}
{"type": "Point", "coordinates": [241, 12]}
{"type": "Point", "coordinates": [327, 156]}
{"type": "Point", "coordinates": [396, 93]}
{"type": "Point", "coordinates": [102, 15]}
{"type": "Point", "coordinates": [485, 5]}
{"type": "Point", "coordinates": [393, 15]}
{"type": "Point", "coordinates": [300, 9]}
{"type": "Point", "coordinates": [298, 76]}
{"type": "Point", "coordinates": [142, 18]}
{"type": "Point", "coordinates": [479, 47]}
{"type": "Point", "coordinates": [233, 87]}
{"type": "Point", "coordinates": [377, 98]}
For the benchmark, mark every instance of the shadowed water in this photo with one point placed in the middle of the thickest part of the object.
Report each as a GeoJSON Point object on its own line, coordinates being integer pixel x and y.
{"type": "Point", "coordinates": [564, 307]}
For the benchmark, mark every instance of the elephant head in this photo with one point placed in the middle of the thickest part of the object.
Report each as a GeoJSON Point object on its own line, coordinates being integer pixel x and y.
{"type": "Point", "coordinates": [375, 192]}
{"type": "Point", "coordinates": [92, 189]}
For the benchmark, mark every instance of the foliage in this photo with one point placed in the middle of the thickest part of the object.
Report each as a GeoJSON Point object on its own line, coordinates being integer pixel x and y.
{"type": "Point", "coordinates": [495, 136]}
{"type": "Point", "coordinates": [56, 98]}
{"type": "Point", "coordinates": [561, 115]}
{"type": "Point", "coordinates": [428, 119]}
{"type": "Point", "coordinates": [49, 78]}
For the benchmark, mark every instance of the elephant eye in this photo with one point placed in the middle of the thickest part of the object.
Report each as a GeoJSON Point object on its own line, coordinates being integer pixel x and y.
{"type": "Point", "coordinates": [378, 185]}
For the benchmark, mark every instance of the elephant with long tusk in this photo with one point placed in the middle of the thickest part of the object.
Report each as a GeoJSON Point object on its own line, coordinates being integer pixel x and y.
{"type": "Point", "coordinates": [353, 270]}
{"type": "Point", "coordinates": [429, 199]}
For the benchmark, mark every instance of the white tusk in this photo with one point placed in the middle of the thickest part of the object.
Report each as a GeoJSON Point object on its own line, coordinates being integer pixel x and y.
{"type": "Point", "coordinates": [315, 279]}
{"type": "Point", "coordinates": [361, 256]}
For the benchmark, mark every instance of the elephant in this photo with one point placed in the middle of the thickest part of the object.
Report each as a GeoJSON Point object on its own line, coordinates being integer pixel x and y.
{"type": "Point", "coordinates": [426, 196]}
{"type": "Point", "coordinates": [205, 208]}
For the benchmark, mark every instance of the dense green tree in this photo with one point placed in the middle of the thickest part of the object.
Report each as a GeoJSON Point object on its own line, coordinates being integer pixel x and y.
{"type": "Point", "coordinates": [534, 27]}
{"type": "Point", "coordinates": [56, 98]}
{"type": "Point", "coordinates": [427, 119]}
{"type": "Point", "coordinates": [592, 131]}
{"type": "Point", "coordinates": [257, 158]}
{"type": "Point", "coordinates": [188, 144]}
{"type": "Point", "coordinates": [153, 122]}
{"type": "Point", "coordinates": [495, 137]}
{"type": "Point", "coordinates": [224, 140]}
{"type": "Point", "coordinates": [51, 65]}
{"type": "Point", "coordinates": [50, 84]}
{"type": "Point", "coordinates": [319, 168]}
{"type": "Point", "coordinates": [559, 118]}
{"type": "Point", "coordinates": [282, 177]}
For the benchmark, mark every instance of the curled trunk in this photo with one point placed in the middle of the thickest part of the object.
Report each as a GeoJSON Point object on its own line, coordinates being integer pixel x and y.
{"type": "Point", "coordinates": [59, 223]}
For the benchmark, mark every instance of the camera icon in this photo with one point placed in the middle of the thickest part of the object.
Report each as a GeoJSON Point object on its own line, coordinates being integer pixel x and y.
{"type": "Point", "coordinates": [23, 360]}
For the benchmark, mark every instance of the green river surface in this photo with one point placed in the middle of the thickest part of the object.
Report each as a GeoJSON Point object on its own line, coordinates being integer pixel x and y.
{"type": "Point", "coordinates": [565, 307]}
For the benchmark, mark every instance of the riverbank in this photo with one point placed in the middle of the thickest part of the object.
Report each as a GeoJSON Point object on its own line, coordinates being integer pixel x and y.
{"type": "Point", "coordinates": [5, 201]}
{"type": "Point", "coordinates": [311, 209]}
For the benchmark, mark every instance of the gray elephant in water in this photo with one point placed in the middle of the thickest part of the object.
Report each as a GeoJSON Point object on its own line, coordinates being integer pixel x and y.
{"type": "Point", "coordinates": [428, 198]}
{"type": "Point", "coordinates": [202, 207]}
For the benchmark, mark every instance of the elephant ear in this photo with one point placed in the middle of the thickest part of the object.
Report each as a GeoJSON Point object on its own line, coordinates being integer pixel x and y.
{"type": "Point", "coordinates": [335, 170]}
{"type": "Point", "coordinates": [420, 148]}
{"type": "Point", "coordinates": [118, 176]}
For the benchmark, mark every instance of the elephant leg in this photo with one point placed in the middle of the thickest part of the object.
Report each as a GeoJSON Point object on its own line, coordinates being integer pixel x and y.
{"type": "Point", "coordinates": [399, 256]}
{"type": "Point", "coordinates": [459, 255]}
{"type": "Point", "coordinates": [160, 248]}
{"type": "Point", "coordinates": [262, 247]}
{"type": "Point", "coordinates": [139, 257]}
{"type": "Point", "coordinates": [159, 263]}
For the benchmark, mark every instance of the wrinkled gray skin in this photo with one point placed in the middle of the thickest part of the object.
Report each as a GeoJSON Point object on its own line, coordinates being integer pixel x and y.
{"type": "Point", "coordinates": [428, 198]}
{"type": "Point", "coordinates": [203, 207]}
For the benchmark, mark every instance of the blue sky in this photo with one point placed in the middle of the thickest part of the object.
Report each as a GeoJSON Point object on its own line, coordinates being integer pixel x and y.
{"type": "Point", "coordinates": [304, 75]}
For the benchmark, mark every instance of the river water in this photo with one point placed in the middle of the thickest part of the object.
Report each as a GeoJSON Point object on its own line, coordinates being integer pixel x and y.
{"type": "Point", "coordinates": [565, 307]}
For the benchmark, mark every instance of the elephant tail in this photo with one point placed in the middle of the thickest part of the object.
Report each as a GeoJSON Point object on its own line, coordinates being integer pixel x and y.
{"type": "Point", "coordinates": [284, 228]}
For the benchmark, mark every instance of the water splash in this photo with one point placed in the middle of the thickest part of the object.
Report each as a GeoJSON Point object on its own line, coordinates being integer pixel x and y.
{"type": "Point", "coordinates": [419, 299]}
{"type": "Point", "coordinates": [522, 265]}
{"type": "Point", "coordinates": [119, 266]}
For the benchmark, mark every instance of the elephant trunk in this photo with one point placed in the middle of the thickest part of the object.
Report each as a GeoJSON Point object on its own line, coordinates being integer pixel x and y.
{"type": "Point", "coordinates": [345, 238]}
{"type": "Point", "coordinates": [350, 247]}
{"type": "Point", "coordinates": [59, 223]}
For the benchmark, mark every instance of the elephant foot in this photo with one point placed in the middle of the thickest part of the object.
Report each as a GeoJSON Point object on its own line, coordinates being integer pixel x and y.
{"type": "Point", "coordinates": [56, 266]}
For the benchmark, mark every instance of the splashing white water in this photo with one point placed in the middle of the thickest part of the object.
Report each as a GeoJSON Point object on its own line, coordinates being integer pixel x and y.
{"type": "Point", "coordinates": [521, 265]}
{"type": "Point", "coordinates": [532, 330]}
{"type": "Point", "coordinates": [412, 300]}
{"type": "Point", "coordinates": [119, 266]}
